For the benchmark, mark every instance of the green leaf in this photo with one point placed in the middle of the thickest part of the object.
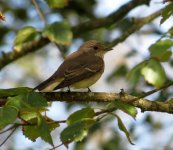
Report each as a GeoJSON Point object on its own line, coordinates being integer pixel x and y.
{"type": "Point", "coordinates": [31, 101]}
{"type": "Point", "coordinates": [77, 131]}
{"type": "Point", "coordinates": [36, 100]}
{"type": "Point", "coordinates": [58, 32]}
{"type": "Point", "coordinates": [123, 128]}
{"type": "Point", "coordinates": [80, 114]}
{"type": "Point", "coordinates": [57, 3]}
{"type": "Point", "coordinates": [42, 128]}
{"type": "Point", "coordinates": [7, 116]}
{"type": "Point", "coordinates": [167, 12]}
{"type": "Point", "coordinates": [160, 50]}
{"type": "Point", "coordinates": [14, 91]}
{"type": "Point", "coordinates": [154, 73]}
{"type": "Point", "coordinates": [31, 131]}
{"type": "Point", "coordinates": [134, 75]}
{"type": "Point", "coordinates": [28, 115]}
{"type": "Point", "coordinates": [19, 103]}
{"type": "Point", "coordinates": [44, 131]}
{"type": "Point", "coordinates": [24, 36]}
{"type": "Point", "coordinates": [129, 109]}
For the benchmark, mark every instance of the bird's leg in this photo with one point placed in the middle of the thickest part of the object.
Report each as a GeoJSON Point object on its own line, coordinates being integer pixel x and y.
{"type": "Point", "coordinates": [89, 89]}
{"type": "Point", "coordinates": [68, 89]}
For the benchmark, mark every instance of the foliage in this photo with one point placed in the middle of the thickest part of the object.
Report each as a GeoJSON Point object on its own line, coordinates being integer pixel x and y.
{"type": "Point", "coordinates": [28, 109]}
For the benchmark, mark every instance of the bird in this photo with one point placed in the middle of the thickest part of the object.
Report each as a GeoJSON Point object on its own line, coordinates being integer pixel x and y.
{"type": "Point", "coordinates": [81, 69]}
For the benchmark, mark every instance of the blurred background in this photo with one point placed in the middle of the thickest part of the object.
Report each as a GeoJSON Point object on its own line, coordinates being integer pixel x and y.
{"type": "Point", "coordinates": [150, 130]}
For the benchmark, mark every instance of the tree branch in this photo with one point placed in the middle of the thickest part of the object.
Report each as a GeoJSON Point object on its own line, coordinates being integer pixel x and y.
{"type": "Point", "coordinates": [137, 23]}
{"type": "Point", "coordinates": [143, 104]}
{"type": "Point", "coordinates": [14, 55]}
{"type": "Point", "coordinates": [86, 26]}
{"type": "Point", "coordinates": [111, 19]}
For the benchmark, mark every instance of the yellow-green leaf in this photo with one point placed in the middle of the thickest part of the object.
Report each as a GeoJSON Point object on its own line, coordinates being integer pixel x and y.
{"type": "Point", "coordinates": [154, 73]}
{"type": "Point", "coordinates": [25, 35]}
{"type": "Point", "coordinates": [80, 114]}
{"type": "Point", "coordinates": [57, 3]}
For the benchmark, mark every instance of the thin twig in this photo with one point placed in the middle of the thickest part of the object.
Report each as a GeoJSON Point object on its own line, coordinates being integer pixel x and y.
{"type": "Point", "coordinates": [8, 136]}
{"type": "Point", "coordinates": [136, 25]}
{"type": "Point", "coordinates": [8, 129]}
{"type": "Point", "coordinates": [56, 147]}
{"type": "Point", "coordinates": [151, 92]}
{"type": "Point", "coordinates": [39, 11]}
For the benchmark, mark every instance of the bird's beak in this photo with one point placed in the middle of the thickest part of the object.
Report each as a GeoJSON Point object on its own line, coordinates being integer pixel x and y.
{"type": "Point", "coordinates": [108, 49]}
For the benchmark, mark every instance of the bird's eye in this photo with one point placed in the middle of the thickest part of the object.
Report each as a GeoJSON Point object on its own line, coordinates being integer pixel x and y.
{"type": "Point", "coordinates": [95, 47]}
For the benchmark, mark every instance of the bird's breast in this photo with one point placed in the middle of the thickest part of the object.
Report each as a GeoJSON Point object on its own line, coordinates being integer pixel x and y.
{"type": "Point", "coordinates": [88, 81]}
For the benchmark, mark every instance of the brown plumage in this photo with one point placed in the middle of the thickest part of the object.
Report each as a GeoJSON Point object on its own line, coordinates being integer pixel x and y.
{"type": "Point", "coordinates": [81, 69]}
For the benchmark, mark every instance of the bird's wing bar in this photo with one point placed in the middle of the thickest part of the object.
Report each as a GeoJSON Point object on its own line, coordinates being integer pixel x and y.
{"type": "Point", "coordinates": [78, 72]}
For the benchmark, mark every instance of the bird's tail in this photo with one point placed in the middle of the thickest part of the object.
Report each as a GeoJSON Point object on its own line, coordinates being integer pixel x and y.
{"type": "Point", "coordinates": [42, 85]}
{"type": "Point", "coordinates": [47, 85]}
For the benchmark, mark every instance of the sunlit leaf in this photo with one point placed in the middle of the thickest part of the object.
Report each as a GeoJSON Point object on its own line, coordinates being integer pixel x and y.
{"type": "Point", "coordinates": [7, 116]}
{"type": "Point", "coordinates": [80, 114]}
{"type": "Point", "coordinates": [154, 73]}
{"type": "Point", "coordinates": [58, 32]}
{"type": "Point", "coordinates": [25, 35]}
{"type": "Point", "coordinates": [28, 115]}
{"type": "Point", "coordinates": [161, 50]}
{"type": "Point", "coordinates": [57, 3]}
{"type": "Point", "coordinates": [77, 131]}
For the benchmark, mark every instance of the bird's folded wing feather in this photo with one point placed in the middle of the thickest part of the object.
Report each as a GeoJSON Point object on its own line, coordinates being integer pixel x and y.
{"type": "Point", "coordinates": [79, 71]}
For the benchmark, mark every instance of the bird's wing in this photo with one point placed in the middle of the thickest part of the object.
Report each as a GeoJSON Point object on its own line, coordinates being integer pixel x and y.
{"type": "Point", "coordinates": [80, 70]}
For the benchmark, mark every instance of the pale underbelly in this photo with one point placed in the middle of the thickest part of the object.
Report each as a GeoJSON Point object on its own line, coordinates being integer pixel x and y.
{"type": "Point", "coordinates": [87, 82]}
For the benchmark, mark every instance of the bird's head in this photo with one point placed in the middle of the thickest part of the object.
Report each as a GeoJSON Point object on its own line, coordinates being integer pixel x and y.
{"type": "Point", "coordinates": [94, 47]}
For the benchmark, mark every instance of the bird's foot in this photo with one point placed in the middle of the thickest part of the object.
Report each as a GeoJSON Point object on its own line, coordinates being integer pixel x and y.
{"type": "Point", "coordinates": [68, 90]}
{"type": "Point", "coordinates": [89, 89]}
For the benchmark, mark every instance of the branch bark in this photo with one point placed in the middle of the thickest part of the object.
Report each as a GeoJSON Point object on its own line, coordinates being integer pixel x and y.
{"type": "Point", "coordinates": [143, 104]}
{"type": "Point", "coordinates": [101, 97]}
